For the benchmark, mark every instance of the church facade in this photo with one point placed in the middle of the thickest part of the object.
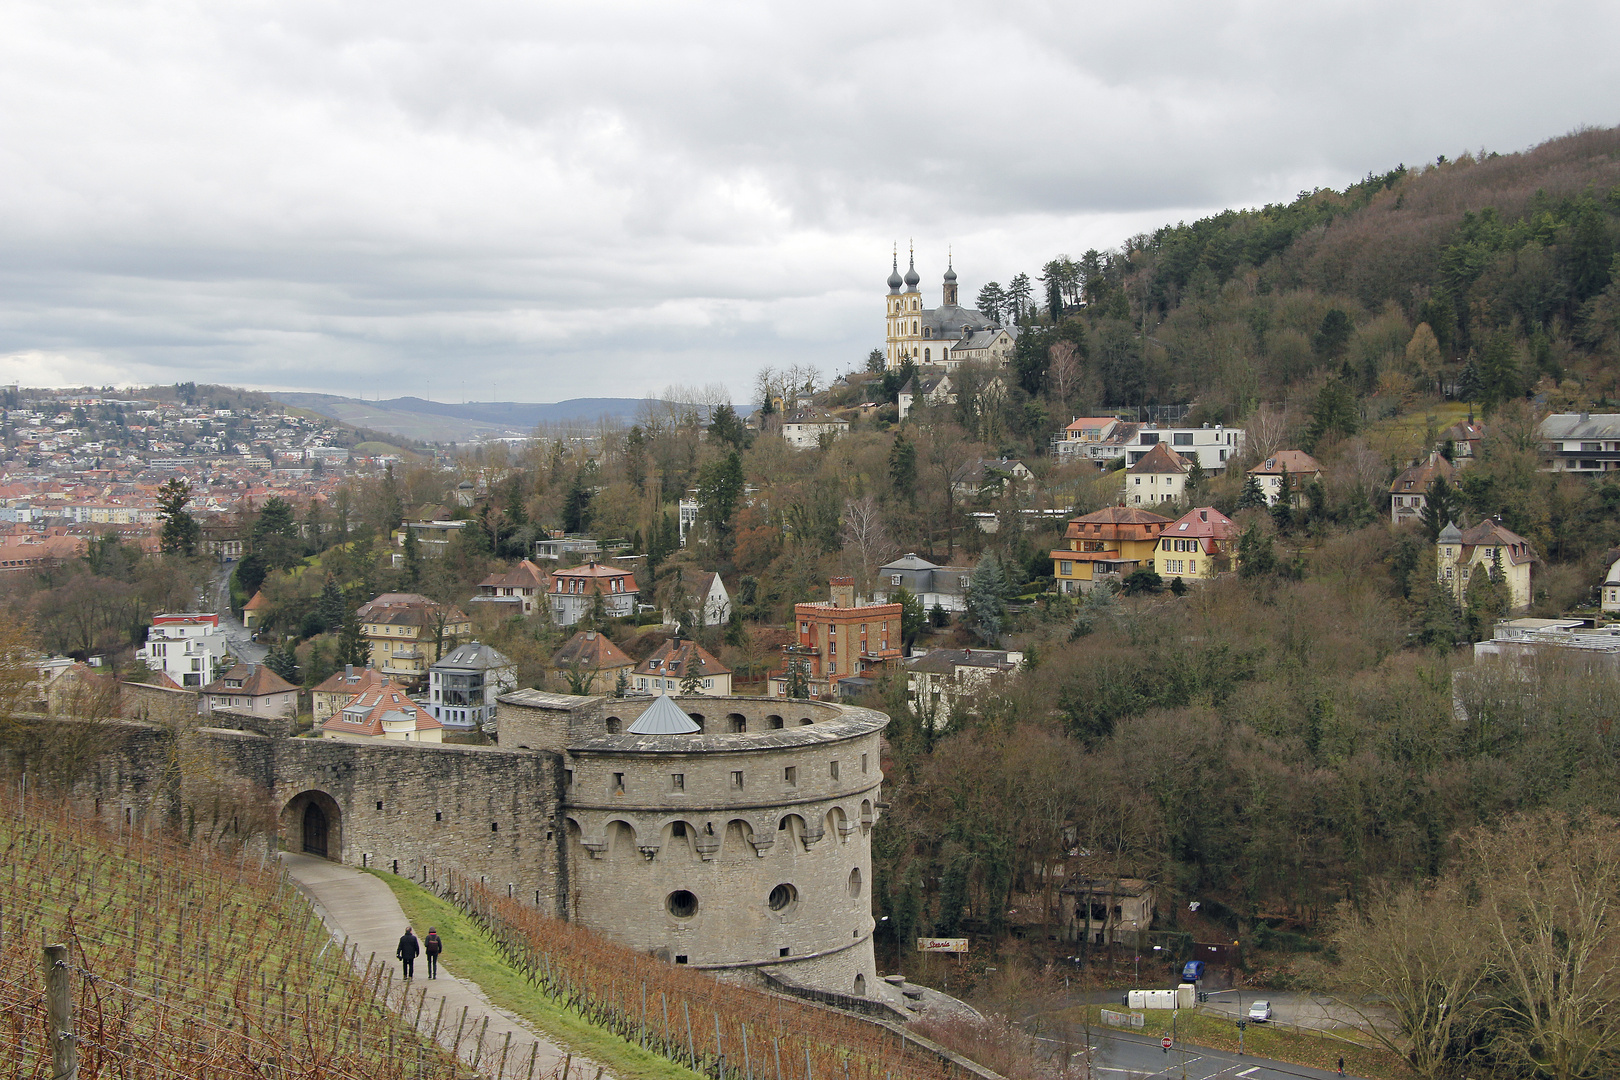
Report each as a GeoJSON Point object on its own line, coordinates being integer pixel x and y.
{"type": "Point", "coordinates": [929, 335]}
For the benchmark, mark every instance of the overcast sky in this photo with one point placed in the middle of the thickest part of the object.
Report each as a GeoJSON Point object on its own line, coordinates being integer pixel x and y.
{"type": "Point", "coordinates": [532, 202]}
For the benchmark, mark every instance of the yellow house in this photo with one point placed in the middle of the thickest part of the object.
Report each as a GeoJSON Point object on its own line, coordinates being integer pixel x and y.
{"type": "Point", "coordinates": [1105, 545]}
{"type": "Point", "coordinates": [1463, 553]}
{"type": "Point", "coordinates": [405, 634]}
{"type": "Point", "coordinates": [1197, 546]}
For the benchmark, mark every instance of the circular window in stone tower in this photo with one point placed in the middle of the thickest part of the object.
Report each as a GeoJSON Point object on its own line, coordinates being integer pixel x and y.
{"type": "Point", "coordinates": [783, 897]}
{"type": "Point", "coordinates": [681, 904]}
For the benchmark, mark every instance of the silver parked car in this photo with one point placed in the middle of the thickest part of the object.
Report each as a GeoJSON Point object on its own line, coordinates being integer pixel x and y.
{"type": "Point", "coordinates": [1259, 1012]}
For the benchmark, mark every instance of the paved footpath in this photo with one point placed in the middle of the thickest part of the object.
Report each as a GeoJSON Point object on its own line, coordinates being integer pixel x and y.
{"type": "Point", "coordinates": [361, 911]}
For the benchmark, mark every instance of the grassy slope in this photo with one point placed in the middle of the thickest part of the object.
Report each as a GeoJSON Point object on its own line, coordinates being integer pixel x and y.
{"type": "Point", "coordinates": [471, 955]}
{"type": "Point", "coordinates": [1319, 1049]}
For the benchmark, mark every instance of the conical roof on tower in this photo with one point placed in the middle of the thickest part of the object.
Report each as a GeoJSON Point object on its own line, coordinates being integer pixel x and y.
{"type": "Point", "coordinates": [664, 717]}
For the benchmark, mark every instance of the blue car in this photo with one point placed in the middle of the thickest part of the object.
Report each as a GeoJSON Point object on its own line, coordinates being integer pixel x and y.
{"type": "Point", "coordinates": [1193, 971]}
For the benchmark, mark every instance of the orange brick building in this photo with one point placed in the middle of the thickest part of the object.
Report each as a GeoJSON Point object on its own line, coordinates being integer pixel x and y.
{"type": "Point", "coordinates": [839, 639]}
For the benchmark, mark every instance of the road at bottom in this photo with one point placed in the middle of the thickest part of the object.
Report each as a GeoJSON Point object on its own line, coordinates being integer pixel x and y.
{"type": "Point", "coordinates": [1116, 1055]}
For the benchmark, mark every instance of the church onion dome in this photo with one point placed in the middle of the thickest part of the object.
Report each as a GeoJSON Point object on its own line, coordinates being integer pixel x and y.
{"type": "Point", "coordinates": [950, 274]}
{"type": "Point", "coordinates": [894, 275]}
{"type": "Point", "coordinates": [911, 274]}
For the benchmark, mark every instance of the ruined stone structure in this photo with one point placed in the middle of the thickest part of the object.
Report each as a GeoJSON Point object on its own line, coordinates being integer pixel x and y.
{"type": "Point", "coordinates": [741, 847]}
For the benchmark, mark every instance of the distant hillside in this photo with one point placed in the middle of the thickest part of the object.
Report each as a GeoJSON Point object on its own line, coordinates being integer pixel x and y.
{"type": "Point", "coordinates": [1489, 277]}
{"type": "Point", "coordinates": [437, 421]}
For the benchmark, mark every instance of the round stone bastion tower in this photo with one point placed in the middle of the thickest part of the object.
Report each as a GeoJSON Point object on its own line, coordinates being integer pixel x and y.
{"type": "Point", "coordinates": [731, 834]}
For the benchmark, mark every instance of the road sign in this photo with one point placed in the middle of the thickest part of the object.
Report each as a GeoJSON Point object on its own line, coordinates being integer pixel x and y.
{"type": "Point", "coordinates": [1165, 1042]}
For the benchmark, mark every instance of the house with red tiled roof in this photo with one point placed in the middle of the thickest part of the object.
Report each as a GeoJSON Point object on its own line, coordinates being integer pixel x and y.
{"type": "Point", "coordinates": [574, 592]}
{"type": "Point", "coordinates": [676, 661]}
{"type": "Point", "coordinates": [1486, 548]}
{"type": "Point", "coordinates": [1296, 467]}
{"type": "Point", "coordinates": [251, 688]}
{"type": "Point", "coordinates": [1160, 476]}
{"type": "Point", "coordinates": [329, 697]}
{"type": "Point", "coordinates": [593, 653]}
{"type": "Point", "coordinates": [384, 713]}
{"type": "Point", "coordinates": [1197, 546]}
{"type": "Point", "coordinates": [407, 631]}
{"type": "Point", "coordinates": [514, 592]}
{"type": "Point", "coordinates": [1105, 545]}
{"type": "Point", "coordinates": [254, 610]}
{"type": "Point", "coordinates": [1410, 491]}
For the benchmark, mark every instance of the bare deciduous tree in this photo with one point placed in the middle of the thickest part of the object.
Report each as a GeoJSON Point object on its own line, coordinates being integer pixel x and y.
{"type": "Point", "coordinates": [1269, 430]}
{"type": "Point", "coordinates": [866, 538]}
{"type": "Point", "coordinates": [1064, 370]}
{"type": "Point", "coordinates": [1549, 888]}
{"type": "Point", "coordinates": [1411, 965]}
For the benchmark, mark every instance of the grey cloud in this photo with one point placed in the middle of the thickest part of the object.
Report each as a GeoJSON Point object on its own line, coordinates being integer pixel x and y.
{"type": "Point", "coordinates": [589, 199]}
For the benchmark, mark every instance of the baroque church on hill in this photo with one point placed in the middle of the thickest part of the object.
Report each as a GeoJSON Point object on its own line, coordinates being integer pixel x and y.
{"type": "Point", "coordinates": [947, 335]}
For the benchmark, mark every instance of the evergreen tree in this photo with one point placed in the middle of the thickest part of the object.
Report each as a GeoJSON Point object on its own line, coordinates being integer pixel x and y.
{"type": "Point", "coordinates": [726, 427]}
{"type": "Point", "coordinates": [938, 617]}
{"type": "Point", "coordinates": [411, 555]}
{"type": "Point", "coordinates": [281, 660]}
{"type": "Point", "coordinates": [1333, 336]}
{"type": "Point", "coordinates": [875, 362]}
{"type": "Point", "coordinates": [692, 680]}
{"type": "Point", "coordinates": [1469, 386]}
{"type": "Point", "coordinates": [1256, 558]}
{"type": "Point", "coordinates": [1333, 415]}
{"type": "Point", "coordinates": [903, 468]}
{"type": "Point", "coordinates": [622, 687]}
{"type": "Point", "coordinates": [1196, 478]}
{"type": "Point", "coordinates": [986, 599]}
{"type": "Point", "coordinates": [912, 616]}
{"type": "Point", "coordinates": [1144, 579]}
{"type": "Point", "coordinates": [798, 678]}
{"type": "Point", "coordinates": [1252, 495]}
{"type": "Point", "coordinates": [1440, 506]}
{"type": "Point", "coordinates": [180, 530]}
{"type": "Point", "coordinates": [331, 606]}
{"type": "Point", "coordinates": [720, 489]}
{"type": "Point", "coordinates": [576, 515]}
{"type": "Point", "coordinates": [1177, 586]}
{"type": "Point", "coordinates": [352, 647]}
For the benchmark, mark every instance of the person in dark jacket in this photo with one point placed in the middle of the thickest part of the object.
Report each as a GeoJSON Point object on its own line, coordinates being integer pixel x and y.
{"type": "Point", "coordinates": [432, 946]}
{"type": "Point", "coordinates": [408, 948]}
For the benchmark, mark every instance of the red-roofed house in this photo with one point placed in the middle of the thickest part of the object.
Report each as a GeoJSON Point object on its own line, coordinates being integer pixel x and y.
{"type": "Point", "coordinates": [385, 713]}
{"type": "Point", "coordinates": [1298, 467]}
{"type": "Point", "coordinates": [1197, 546]}
{"type": "Point", "coordinates": [254, 610]}
{"type": "Point", "coordinates": [574, 591]}
{"type": "Point", "coordinates": [514, 592]}
{"type": "Point", "coordinates": [328, 699]}
{"type": "Point", "coordinates": [676, 661]}
{"type": "Point", "coordinates": [251, 688]}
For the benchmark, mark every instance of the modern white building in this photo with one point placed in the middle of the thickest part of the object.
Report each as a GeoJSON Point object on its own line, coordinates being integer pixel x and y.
{"type": "Point", "coordinates": [1211, 447]}
{"type": "Point", "coordinates": [463, 686]}
{"type": "Point", "coordinates": [186, 647]}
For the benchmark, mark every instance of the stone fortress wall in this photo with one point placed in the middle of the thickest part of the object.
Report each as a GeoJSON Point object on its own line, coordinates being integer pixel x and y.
{"type": "Point", "coordinates": [740, 848]}
{"type": "Point", "coordinates": [743, 847]}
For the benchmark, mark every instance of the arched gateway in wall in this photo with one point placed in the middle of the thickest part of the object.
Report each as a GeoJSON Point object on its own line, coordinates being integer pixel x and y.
{"type": "Point", "coordinates": [312, 822]}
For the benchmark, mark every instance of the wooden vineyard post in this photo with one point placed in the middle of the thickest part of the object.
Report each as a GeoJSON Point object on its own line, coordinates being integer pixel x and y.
{"type": "Point", "coordinates": [691, 1047]}
{"type": "Point", "coordinates": [59, 1007]}
{"type": "Point", "coordinates": [748, 1067]}
{"type": "Point", "coordinates": [807, 1075]}
{"type": "Point", "coordinates": [777, 1043]}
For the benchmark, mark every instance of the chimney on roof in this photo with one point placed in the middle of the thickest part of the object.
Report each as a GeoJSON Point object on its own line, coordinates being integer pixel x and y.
{"type": "Point", "coordinates": [590, 635]}
{"type": "Point", "coordinates": [348, 672]}
{"type": "Point", "coordinates": [1585, 416]}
